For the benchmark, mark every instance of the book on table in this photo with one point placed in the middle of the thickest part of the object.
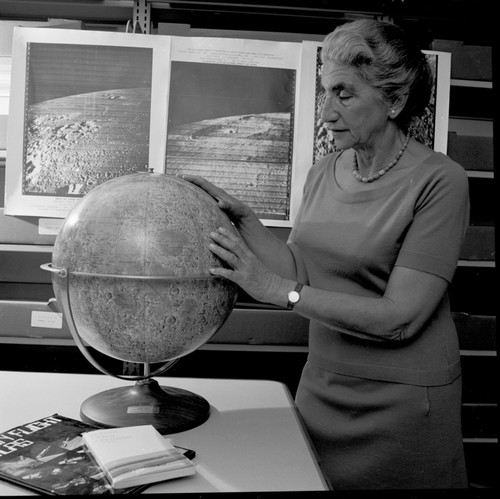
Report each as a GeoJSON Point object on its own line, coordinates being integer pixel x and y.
{"type": "Point", "coordinates": [136, 455]}
{"type": "Point", "coordinates": [48, 456]}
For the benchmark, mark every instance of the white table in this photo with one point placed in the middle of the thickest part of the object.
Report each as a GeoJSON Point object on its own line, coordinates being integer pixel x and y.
{"type": "Point", "coordinates": [252, 442]}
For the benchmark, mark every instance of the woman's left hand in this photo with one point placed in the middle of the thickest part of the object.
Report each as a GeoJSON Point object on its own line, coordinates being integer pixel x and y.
{"type": "Point", "coordinates": [247, 271]}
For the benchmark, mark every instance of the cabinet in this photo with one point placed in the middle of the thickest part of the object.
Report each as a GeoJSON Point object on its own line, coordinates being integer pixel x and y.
{"type": "Point", "coordinates": [258, 341]}
{"type": "Point", "coordinates": [472, 292]}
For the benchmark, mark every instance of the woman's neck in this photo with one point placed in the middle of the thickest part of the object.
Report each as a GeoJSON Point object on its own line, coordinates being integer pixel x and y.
{"type": "Point", "coordinates": [370, 160]}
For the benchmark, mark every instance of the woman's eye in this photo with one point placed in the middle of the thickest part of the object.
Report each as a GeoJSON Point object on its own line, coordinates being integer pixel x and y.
{"type": "Point", "coordinates": [343, 95]}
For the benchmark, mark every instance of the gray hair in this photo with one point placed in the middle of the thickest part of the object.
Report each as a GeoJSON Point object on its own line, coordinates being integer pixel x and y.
{"type": "Point", "coordinates": [387, 60]}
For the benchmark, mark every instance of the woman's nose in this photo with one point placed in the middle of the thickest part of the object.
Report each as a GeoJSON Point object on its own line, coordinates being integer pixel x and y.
{"type": "Point", "coordinates": [328, 112]}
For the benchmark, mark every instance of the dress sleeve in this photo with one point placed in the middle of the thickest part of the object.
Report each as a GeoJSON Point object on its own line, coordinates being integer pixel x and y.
{"type": "Point", "coordinates": [441, 216]}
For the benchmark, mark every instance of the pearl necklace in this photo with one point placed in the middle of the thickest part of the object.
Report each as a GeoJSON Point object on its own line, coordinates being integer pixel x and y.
{"type": "Point", "coordinates": [383, 171]}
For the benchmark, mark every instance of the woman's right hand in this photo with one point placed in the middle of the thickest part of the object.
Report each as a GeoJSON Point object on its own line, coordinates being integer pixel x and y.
{"type": "Point", "coordinates": [235, 209]}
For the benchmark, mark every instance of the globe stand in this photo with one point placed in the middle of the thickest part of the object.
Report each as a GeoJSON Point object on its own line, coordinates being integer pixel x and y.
{"type": "Point", "coordinates": [168, 409]}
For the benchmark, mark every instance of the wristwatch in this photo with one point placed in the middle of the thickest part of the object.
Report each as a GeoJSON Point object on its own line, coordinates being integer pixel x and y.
{"type": "Point", "coordinates": [294, 296]}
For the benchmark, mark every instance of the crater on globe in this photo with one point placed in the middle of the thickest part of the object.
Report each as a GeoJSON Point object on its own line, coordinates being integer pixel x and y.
{"type": "Point", "coordinates": [130, 273]}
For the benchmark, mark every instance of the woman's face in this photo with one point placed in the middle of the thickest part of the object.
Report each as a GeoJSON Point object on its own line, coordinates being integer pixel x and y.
{"type": "Point", "coordinates": [353, 110]}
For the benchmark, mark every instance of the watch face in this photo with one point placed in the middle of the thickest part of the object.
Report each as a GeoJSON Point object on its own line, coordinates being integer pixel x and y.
{"type": "Point", "coordinates": [293, 297]}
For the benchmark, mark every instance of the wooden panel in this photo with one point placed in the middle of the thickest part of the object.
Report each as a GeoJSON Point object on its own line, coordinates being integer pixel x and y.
{"type": "Point", "coordinates": [472, 291]}
{"type": "Point", "coordinates": [23, 291]}
{"type": "Point", "coordinates": [480, 420]}
{"type": "Point", "coordinates": [479, 244]}
{"type": "Point", "coordinates": [482, 465]}
{"type": "Point", "coordinates": [473, 103]}
{"type": "Point", "coordinates": [483, 196]}
{"type": "Point", "coordinates": [473, 153]}
{"type": "Point", "coordinates": [476, 332]}
{"type": "Point", "coordinates": [25, 266]}
{"type": "Point", "coordinates": [468, 62]}
{"type": "Point", "coordinates": [263, 327]}
{"type": "Point", "coordinates": [480, 379]}
{"type": "Point", "coordinates": [53, 358]}
{"type": "Point", "coordinates": [22, 230]}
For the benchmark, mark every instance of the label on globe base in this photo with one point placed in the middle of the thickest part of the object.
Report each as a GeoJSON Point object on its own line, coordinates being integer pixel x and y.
{"type": "Point", "coordinates": [143, 409]}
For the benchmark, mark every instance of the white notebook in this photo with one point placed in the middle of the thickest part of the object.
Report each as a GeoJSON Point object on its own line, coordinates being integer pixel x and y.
{"type": "Point", "coordinates": [136, 455]}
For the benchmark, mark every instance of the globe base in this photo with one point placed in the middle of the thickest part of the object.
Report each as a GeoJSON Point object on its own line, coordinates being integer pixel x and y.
{"type": "Point", "coordinates": [168, 409]}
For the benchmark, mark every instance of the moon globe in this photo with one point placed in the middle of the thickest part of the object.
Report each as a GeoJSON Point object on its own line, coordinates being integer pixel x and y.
{"type": "Point", "coordinates": [130, 274]}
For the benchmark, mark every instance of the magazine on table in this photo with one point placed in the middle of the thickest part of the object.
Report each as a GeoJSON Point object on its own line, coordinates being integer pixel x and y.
{"type": "Point", "coordinates": [48, 456]}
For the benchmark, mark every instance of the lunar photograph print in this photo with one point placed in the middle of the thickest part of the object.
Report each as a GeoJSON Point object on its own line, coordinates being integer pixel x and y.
{"type": "Point", "coordinates": [233, 125]}
{"type": "Point", "coordinates": [87, 116]}
{"type": "Point", "coordinates": [243, 113]}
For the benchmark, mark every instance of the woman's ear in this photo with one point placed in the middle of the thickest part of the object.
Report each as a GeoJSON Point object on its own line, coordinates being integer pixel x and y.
{"type": "Point", "coordinates": [397, 106]}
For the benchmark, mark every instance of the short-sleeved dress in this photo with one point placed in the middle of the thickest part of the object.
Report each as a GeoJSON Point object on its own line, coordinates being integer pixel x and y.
{"type": "Point", "coordinates": [383, 413]}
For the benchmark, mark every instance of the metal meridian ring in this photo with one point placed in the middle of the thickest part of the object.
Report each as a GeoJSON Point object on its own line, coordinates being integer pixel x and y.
{"type": "Point", "coordinates": [62, 272]}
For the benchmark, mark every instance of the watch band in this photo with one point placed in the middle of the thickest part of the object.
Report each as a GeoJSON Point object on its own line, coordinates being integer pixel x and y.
{"type": "Point", "coordinates": [294, 296]}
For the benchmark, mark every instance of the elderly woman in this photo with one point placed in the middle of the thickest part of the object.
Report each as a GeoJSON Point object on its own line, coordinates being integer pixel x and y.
{"type": "Point", "coordinates": [368, 261]}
